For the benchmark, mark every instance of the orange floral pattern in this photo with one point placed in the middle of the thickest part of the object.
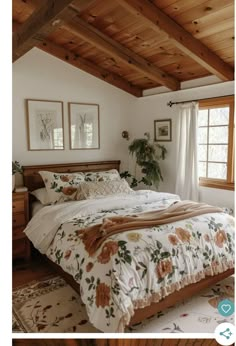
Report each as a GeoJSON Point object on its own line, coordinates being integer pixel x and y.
{"type": "Point", "coordinates": [183, 234]}
{"type": "Point", "coordinates": [108, 250]}
{"type": "Point", "coordinates": [89, 267]}
{"type": "Point", "coordinates": [69, 190]}
{"type": "Point", "coordinates": [133, 267]}
{"type": "Point", "coordinates": [61, 187]}
{"type": "Point", "coordinates": [67, 254]}
{"type": "Point", "coordinates": [102, 295]}
{"type": "Point", "coordinates": [173, 239]}
{"type": "Point", "coordinates": [220, 238]}
{"type": "Point", "coordinates": [65, 178]}
{"type": "Point", "coordinates": [164, 268]}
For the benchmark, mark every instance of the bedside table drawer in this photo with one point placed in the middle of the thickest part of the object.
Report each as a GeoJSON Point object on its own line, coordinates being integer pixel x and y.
{"type": "Point", "coordinates": [17, 233]}
{"type": "Point", "coordinates": [18, 206]}
{"type": "Point", "coordinates": [19, 248]}
{"type": "Point", "coordinates": [20, 216]}
{"type": "Point", "coordinates": [18, 220]}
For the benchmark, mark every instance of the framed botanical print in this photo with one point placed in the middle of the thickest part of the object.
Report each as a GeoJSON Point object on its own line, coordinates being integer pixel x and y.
{"type": "Point", "coordinates": [162, 130]}
{"type": "Point", "coordinates": [84, 126]}
{"type": "Point", "coordinates": [45, 125]}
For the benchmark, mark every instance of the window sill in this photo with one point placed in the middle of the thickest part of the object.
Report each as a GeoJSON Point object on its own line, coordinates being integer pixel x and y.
{"type": "Point", "coordinates": [216, 184]}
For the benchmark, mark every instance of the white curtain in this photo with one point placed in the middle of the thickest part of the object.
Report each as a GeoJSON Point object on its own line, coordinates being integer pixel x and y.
{"type": "Point", "coordinates": [187, 162]}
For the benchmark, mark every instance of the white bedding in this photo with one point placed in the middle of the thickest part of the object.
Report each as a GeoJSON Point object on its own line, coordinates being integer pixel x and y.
{"type": "Point", "coordinates": [43, 226]}
{"type": "Point", "coordinates": [35, 207]}
{"type": "Point", "coordinates": [133, 268]}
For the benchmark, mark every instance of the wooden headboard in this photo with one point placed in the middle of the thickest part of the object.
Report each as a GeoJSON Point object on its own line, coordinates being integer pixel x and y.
{"type": "Point", "coordinates": [33, 180]}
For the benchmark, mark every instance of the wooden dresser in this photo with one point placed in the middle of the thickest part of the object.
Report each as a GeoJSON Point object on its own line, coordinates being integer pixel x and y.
{"type": "Point", "coordinates": [20, 218]}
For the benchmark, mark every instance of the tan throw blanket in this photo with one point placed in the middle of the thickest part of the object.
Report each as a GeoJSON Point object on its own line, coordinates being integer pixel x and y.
{"type": "Point", "coordinates": [94, 236]}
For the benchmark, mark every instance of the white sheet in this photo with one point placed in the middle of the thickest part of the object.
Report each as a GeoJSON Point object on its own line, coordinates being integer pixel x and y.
{"type": "Point", "coordinates": [36, 206]}
{"type": "Point", "coordinates": [43, 226]}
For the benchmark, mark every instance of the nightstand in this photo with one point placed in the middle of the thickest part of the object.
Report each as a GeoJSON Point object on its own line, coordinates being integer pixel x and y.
{"type": "Point", "coordinates": [20, 218]}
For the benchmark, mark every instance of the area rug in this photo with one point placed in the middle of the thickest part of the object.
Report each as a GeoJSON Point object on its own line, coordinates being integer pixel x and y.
{"type": "Point", "coordinates": [52, 306]}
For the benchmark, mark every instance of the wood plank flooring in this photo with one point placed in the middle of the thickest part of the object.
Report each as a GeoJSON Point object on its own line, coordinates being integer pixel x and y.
{"type": "Point", "coordinates": [36, 269]}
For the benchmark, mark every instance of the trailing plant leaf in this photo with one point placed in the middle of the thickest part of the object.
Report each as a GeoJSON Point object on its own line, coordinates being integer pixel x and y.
{"type": "Point", "coordinates": [134, 181]}
{"type": "Point", "coordinates": [16, 167]}
{"type": "Point", "coordinates": [125, 175]}
{"type": "Point", "coordinates": [163, 151]}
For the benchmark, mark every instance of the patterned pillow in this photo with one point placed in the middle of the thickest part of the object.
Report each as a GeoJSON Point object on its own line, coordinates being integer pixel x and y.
{"type": "Point", "coordinates": [229, 211]}
{"type": "Point", "coordinates": [61, 187]}
{"type": "Point", "coordinates": [110, 175]}
{"type": "Point", "coordinates": [89, 190]}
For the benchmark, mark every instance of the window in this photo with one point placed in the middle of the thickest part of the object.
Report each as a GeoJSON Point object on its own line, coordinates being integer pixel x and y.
{"type": "Point", "coordinates": [85, 138]}
{"type": "Point", "coordinates": [57, 138]}
{"type": "Point", "coordinates": [88, 129]}
{"type": "Point", "coordinates": [216, 142]}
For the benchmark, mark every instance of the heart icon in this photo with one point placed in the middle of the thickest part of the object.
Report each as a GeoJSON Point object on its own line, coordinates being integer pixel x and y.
{"type": "Point", "coordinates": [225, 308]}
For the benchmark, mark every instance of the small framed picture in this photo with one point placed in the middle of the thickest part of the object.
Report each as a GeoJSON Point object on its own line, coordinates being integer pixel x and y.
{"type": "Point", "coordinates": [162, 130]}
{"type": "Point", "coordinates": [45, 125]}
{"type": "Point", "coordinates": [84, 126]}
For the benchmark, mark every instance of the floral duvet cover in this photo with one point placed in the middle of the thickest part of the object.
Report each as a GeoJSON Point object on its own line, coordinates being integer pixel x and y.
{"type": "Point", "coordinates": [134, 268]}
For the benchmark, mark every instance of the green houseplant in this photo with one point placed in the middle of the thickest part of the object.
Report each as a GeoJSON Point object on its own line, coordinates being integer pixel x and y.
{"type": "Point", "coordinates": [16, 168]}
{"type": "Point", "coordinates": [148, 155]}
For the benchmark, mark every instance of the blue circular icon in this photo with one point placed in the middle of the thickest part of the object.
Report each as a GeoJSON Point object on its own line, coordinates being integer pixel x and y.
{"type": "Point", "coordinates": [226, 307]}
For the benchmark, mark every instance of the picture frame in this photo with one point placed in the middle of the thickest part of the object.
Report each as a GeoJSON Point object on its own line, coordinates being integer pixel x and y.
{"type": "Point", "coordinates": [162, 130]}
{"type": "Point", "coordinates": [45, 124]}
{"type": "Point", "coordinates": [84, 126]}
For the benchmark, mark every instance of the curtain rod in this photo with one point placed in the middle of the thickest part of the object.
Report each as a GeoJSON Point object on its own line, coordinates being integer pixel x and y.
{"type": "Point", "coordinates": [170, 103]}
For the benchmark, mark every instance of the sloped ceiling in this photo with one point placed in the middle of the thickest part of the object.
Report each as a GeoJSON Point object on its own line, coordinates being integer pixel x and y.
{"type": "Point", "coordinates": [132, 44]}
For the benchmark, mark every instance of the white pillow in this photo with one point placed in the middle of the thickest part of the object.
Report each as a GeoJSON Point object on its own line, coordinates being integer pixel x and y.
{"type": "Point", "coordinates": [61, 187]}
{"type": "Point", "coordinates": [89, 190]}
{"type": "Point", "coordinates": [110, 175]}
{"type": "Point", "coordinates": [41, 195]}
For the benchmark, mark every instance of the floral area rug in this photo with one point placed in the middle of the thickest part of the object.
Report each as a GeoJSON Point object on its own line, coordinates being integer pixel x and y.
{"type": "Point", "coordinates": [52, 306]}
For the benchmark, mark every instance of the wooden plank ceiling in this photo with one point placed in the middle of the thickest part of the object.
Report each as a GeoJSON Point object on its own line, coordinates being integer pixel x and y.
{"type": "Point", "coordinates": [132, 44]}
{"type": "Point", "coordinates": [115, 342]}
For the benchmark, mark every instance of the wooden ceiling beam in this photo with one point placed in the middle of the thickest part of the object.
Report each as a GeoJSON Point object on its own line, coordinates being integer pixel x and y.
{"type": "Point", "coordinates": [82, 5]}
{"type": "Point", "coordinates": [89, 67]}
{"type": "Point", "coordinates": [42, 21]}
{"type": "Point", "coordinates": [89, 33]}
{"type": "Point", "coordinates": [156, 19]}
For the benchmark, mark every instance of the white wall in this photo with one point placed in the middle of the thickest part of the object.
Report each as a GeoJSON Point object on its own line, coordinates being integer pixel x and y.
{"type": "Point", "coordinates": [150, 108]}
{"type": "Point", "coordinates": [38, 75]}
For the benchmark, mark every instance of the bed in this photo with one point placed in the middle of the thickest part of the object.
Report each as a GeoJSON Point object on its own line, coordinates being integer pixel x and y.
{"type": "Point", "coordinates": [134, 274]}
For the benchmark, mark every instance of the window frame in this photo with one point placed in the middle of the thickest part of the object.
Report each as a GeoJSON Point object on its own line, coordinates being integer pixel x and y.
{"type": "Point", "coordinates": [227, 184]}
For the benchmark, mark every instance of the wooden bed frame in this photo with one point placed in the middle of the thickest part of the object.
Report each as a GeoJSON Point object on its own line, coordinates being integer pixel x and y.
{"type": "Point", "coordinates": [32, 180]}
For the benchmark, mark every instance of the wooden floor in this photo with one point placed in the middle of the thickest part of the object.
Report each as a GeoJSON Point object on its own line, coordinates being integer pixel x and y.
{"type": "Point", "coordinates": [36, 269]}
{"type": "Point", "coordinates": [48, 342]}
{"type": "Point", "coordinates": [115, 342]}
